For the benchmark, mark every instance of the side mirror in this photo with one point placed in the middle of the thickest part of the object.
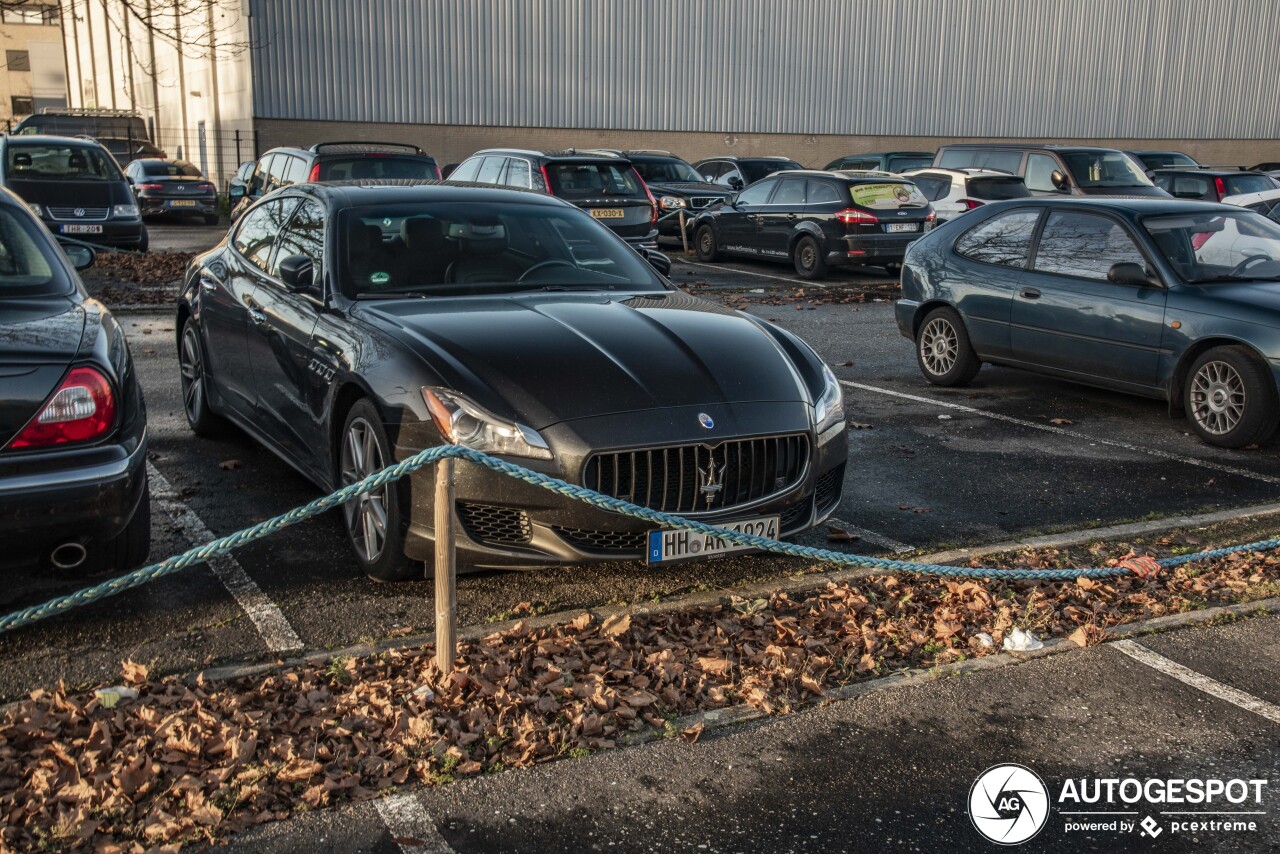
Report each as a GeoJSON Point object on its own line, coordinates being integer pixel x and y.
{"type": "Point", "coordinates": [235, 191]}
{"type": "Point", "coordinates": [736, 183]}
{"type": "Point", "coordinates": [1060, 181]}
{"type": "Point", "coordinates": [298, 273]}
{"type": "Point", "coordinates": [81, 257]}
{"type": "Point", "coordinates": [1129, 273]}
{"type": "Point", "coordinates": [658, 261]}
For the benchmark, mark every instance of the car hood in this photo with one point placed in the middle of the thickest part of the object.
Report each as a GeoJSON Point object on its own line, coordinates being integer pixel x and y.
{"type": "Point", "coordinates": [38, 339]}
{"type": "Point", "coordinates": [689, 188]}
{"type": "Point", "coordinates": [548, 358]}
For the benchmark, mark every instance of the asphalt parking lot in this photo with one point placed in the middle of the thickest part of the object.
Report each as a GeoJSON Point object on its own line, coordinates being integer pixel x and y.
{"type": "Point", "coordinates": [1012, 456]}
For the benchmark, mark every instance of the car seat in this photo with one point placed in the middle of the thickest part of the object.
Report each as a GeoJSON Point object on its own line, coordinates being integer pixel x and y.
{"type": "Point", "coordinates": [374, 267]}
{"type": "Point", "coordinates": [480, 254]}
{"type": "Point", "coordinates": [428, 250]}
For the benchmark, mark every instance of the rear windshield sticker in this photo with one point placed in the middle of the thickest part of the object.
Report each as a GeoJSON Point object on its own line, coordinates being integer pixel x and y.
{"type": "Point", "coordinates": [887, 195]}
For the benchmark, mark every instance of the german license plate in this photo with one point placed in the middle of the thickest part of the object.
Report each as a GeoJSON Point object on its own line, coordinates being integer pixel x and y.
{"type": "Point", "coordinates": [902, 226]}
{"type": "Point", "coordinates": [672, 545]}
{"type": "Point", "coordinates": [80, 229]}
{"type": "Point", "coordinates": [608, 213]}
{"type": "Point", "coordinates": [183, 203]}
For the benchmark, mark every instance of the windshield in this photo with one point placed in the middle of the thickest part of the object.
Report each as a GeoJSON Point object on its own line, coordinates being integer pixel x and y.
{"type": "Point", "coordinates": [375, 167]}
{"type": "Point", "coordinates": [592, 180]}
{"type": "Point", "coordinates": [60, 163]}
{"type": "Point", "coordinates": [754, 170]}
{"type": "Point", "coordinates": [667, 171]}
{"type": "Point", "coordinates": [915, 161]}
{"type": "Point", "coordinates": [26, 265]}
{"type": "Point", "coordinates": [1218, 247]}
{"type": "Point", "coordinates": [1105, 169]}
{"type": "Point", "coordinates": [172, 169]}
{"type": "Point", "coordinates": [476, 248]}
{"type": "Point", "coordinates": [1166, 159]}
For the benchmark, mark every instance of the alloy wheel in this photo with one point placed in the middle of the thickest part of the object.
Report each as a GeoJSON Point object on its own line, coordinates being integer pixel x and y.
{"type": "Point", "coordinates": [939, 346]}
{"type": "Point", "coordinates": [192, 370]}
{"type": "Point", "coordinates": [366, 514]}
{"type": "Point", "coordinates": [1217, 397]}
{"type": "Point", "coordinates": [808, 255]}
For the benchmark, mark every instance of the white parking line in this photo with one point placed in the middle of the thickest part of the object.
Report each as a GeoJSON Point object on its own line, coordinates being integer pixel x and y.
{"type": "Point", "coordinates": [1049, 428]}
{"type": "Point", "coordinates": [722, 269]}
{"type": "Point", "coordinates": [411, 827]}
{"type": "Point", "coordinates": [270, 621]}
{"type": "Point", "coordinates": [1199, 681]}
{"type": "Point", "coordinates": [874, 538]}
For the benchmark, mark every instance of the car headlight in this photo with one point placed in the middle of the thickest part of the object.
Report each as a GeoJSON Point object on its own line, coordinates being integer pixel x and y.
{"type": "Point", "coordinates": [462, 422]}
{"type": "Point", "coordinates": [35, 209]}
{"type": "Point", "coordinates": [829, 410]}
{"type": "Point", "coordinates": [125, 211]}
{"type": "Point", "coordinates": [671, 203]}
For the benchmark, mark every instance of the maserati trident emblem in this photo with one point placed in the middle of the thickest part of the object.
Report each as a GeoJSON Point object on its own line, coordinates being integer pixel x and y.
{"type": "Point", "coordinates": [705, 420]}
{"type": "Point", "coordinates": [711, 480]}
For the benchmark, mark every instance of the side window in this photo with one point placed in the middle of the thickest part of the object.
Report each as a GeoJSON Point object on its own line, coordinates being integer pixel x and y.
{"type": "Point", "coordinates": [1188, 187]}
{"type": "Point", "coordinates": [710, 170]}
{"type": "Point", "coordinates": [1083, 245]}
{"type": "Point", "coordinates": [790, 193]}
{"type": "Point", "coordinates": [757, 194]}
{"type": "Point", "coordinates": [1039, 168]}
{"type": "Point", "coordinates": [1003, 240]}
{"type": "Point", "coordinates": [467, 170]}
{"type": "Point", "coordinates": [258, 228]}
{"type": "Point", "coordinates": [517, 174]}
{"type": "Point", "coordinates": [823, 192]}
{"type": "Point", "coordinates": [304, 236]}
{"type": "Point", "coordinates": [295, 171]}
{"type": "Point", "coordinates": [258, 183]}
{"type": "Point", "coordinates": [491, 170]}
{"type": "Point", "coordinates": [275, 174]}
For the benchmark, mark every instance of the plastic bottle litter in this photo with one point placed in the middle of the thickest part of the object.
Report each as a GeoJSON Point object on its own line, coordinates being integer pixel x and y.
{"type": "Point", "coordinates": [1020, 641]}
{"type": "Point", "coordinates": [109, 698]}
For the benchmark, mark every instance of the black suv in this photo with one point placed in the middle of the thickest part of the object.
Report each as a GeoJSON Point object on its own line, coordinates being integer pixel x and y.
{"type": "Point", "coordinates": [1211, 185]}
{"type": "Point", "coordinates": [737, 173]}
{"type": "Point", "coordinates": [1056, 169]}
{"type": "Point", "coordinates": [603, 183]}
{"type": "Point", "coordinates": [676, 185]}
{"type": "Point", "coordinates": [815, 220]}
{"type": "Point", "coordinates": [332, 161]}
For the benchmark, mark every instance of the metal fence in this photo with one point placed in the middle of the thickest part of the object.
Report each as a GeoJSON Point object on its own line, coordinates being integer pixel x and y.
{"type": "Point", "coordinates": [217, 154]}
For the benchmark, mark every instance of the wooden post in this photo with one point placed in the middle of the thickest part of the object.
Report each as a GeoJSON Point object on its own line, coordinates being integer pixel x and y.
{"type": "Point", "coordinates": [684, 234]}
{"type": "Point", "coordinates": [446, 569]}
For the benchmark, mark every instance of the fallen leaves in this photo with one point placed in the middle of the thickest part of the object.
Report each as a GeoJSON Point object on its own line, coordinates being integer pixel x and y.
{"type": "Point", "coordinates": [836, 534]}
{"type": "Point", "coordinates": [229, 465]}
{"type": "Point", "coordinates": [858, 425]}
{"type": "Point", "coordinates": [1061, 421]}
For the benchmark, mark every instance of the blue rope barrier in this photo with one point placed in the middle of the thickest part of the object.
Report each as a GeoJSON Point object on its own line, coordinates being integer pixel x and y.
{"type": "Point", "coordinates": [138, 577]}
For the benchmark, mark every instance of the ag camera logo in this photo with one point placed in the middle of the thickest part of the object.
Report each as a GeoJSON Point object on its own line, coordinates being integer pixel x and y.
{"type": "Point", "coordinates": [1009, 804]}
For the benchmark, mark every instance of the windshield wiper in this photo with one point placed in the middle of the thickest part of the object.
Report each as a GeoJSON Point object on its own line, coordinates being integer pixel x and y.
{"type": "Point", "coordinates": [570, 288]}
{"type": "Point", "coordinates": [392, 295]}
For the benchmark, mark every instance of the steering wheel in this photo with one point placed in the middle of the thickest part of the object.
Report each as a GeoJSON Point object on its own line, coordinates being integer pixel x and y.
{"type": "Point", "coordinates": [1247, 263]}
{"type": "Point", "coordinates": [543, 265]}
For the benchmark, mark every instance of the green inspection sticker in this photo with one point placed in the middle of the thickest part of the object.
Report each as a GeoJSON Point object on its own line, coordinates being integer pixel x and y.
{"type": "Point", "coordinates": [380, 278]}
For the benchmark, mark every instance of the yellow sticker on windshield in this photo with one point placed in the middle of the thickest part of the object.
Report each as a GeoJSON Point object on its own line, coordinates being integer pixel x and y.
{"type": "Point", "coordinates": [887, 195]}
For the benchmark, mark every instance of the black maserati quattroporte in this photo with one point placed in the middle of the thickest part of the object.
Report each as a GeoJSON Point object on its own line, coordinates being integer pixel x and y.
{"type": "Point", "coordinates": [346, 326]}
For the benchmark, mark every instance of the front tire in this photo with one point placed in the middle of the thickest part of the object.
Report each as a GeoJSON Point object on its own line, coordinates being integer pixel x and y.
{"type": "Point", "coordinates": [1231, 398]}
{"type": "Point", "coordinates": [807, 258]}
{"type": "Point", "coordinates": [195, 384]}
{"type": "Point", "coordinates": [705, 244]}
{"type": "Point", "coordinates": [377, 521]}
{"type": "Point", "coordinates": [943, 351]}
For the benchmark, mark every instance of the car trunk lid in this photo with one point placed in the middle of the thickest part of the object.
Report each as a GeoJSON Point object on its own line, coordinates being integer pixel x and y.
{"type": "Point", "coordinates": [38, 340]}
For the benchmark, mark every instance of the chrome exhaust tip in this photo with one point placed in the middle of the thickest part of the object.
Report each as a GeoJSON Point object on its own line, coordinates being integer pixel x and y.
{"type": "Point", "coordinates": [68, 556]}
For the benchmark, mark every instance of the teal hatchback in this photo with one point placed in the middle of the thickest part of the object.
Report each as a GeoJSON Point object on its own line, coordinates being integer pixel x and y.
{"type": "Point", "coordinates": [1167, 299]}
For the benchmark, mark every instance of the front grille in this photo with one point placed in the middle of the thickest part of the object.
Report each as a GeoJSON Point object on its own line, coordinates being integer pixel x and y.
{"type": "Point", "coordinates": [827, 492]}
{"type": "Point", "coordinates": [603, 541]}
{"type": "Point", "coordinates": [70, 213]}
{"type": "Point", "coordinates": [700, 478]}
{"type": "Point", "coordinates": [497, 526]}
{"type": "Point", "coordinates": [795, 515]}
{"type": "Point", "coordinates": [700, 202]}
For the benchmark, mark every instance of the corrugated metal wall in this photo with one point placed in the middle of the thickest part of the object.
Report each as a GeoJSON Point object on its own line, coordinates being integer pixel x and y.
{"type": "Point", "coordinates": [1180, 69]}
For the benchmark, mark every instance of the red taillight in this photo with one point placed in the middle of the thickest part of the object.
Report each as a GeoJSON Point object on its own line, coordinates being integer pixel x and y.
{"type": "Point", "coordinates": [546, 179]}
{"type": "Point", "coordinates": [151, 186]}
{"type": "Point", "coordinates": [81, 410]}
{"type": "Point", "coordinates": [970, 204]}
{"type": "Point", "coordinates": [1221, 186]}
{"type": "Point", "coordinates": [314, 175]}
{"type": "Point", "coordinates": [653, 203]}
{"type": "Point", "coordinates": [206, 187]}
{"type": "Point", "coordinates": [853, 216]}
{"type": "Point", "coordinates": [439, 174]}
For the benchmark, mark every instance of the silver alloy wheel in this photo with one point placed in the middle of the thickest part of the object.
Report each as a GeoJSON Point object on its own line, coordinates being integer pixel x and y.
{"type": "Point", "coordinates": [939, 346]}
{"type": "Point", "coordinates": [192, 370]}
{"type": "Point", "coordinates": [366, 514]}
{"type": "Point", "coordinates": [1217, 398]}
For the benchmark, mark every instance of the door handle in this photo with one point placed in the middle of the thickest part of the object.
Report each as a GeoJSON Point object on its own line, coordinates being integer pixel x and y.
{"type": "Point", "coordinates": [256, 315]}
{"type": "Point", "coordinates": [1029, 293]}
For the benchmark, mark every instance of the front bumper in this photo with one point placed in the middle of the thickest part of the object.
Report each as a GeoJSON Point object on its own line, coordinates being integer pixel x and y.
{"type": "Point", "coordinates": [123, 234]}
{"type": "Point", "coordinates": [86, 495]}
{"type": "Point", "coordinates": [509, 524]}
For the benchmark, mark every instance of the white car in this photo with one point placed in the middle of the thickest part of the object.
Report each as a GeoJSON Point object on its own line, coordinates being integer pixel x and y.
{"type": "Point", "coordinates": [956, 191]}
{"type": "Point", "coordinates": [1266, 202]}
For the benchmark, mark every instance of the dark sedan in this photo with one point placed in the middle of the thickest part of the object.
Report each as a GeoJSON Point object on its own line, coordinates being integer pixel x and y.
{"type": "Point", "coordinates": [1173, 300]}
{"type": "Point", "coordinates": [73, 437]}
{"type": "Point", "coordinates": [816, 220]}
{"type": "Point", "coordinates": [173, 188]}
{"type": "Point", "coordinates": [345, 327]}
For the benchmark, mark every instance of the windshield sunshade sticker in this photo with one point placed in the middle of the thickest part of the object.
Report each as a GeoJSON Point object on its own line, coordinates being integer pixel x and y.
{"type": "Point", "coordinates": [887, 195]}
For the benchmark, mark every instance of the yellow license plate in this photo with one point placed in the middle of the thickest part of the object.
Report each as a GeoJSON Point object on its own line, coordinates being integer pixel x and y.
{"type": "Point", "coordinates": [608, 213]}
{"type": "Point", "coordinates": [183, 203]}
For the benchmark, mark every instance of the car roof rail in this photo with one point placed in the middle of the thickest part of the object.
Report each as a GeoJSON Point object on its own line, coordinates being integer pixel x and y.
{"type": "Point", "coordinates": [365, 145]}
{"type": "Point", "coordinates": [100, 112]}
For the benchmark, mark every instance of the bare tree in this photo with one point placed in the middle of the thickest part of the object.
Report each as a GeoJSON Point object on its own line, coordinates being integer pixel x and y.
{"type": "Point", "coordinates": [197, 28]}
